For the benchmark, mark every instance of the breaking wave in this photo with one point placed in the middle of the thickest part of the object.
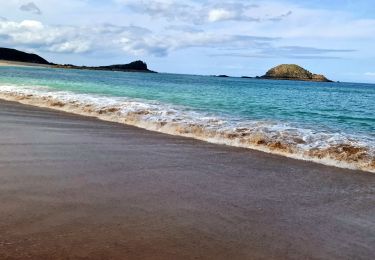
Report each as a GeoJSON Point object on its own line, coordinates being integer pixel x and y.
{"type": "Point", "coordinates": [335, 149]}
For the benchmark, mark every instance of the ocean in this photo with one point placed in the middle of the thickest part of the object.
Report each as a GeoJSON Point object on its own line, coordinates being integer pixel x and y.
{"type": "Point", "coordinates": [328, 123]}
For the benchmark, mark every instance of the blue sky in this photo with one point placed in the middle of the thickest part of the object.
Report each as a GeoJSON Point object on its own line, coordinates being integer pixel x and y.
{"type": "Point", "coordinates": [234, 37]}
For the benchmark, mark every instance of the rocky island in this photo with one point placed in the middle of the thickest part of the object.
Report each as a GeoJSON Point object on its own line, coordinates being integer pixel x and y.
{"type": "Point", "coordinates": [13, 55]}
{"type": "Point", "coordinates": [293, 72]}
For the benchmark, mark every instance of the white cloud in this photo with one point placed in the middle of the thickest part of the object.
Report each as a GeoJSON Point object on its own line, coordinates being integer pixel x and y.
{"type": "Point", "coordinates": [31, 33]}
{"type": "Point", "coordinates": [25, 32]}
{"type": "Point", "coordinates": [238, 31]}
{"type": "Point", "coordinates": [139, 41]}
{"type": "Point", "coordinates": [30, 25]}
{"type": "Point", "coordinates": [75, 46]}
{"type": "Point", "coordinates": [370, 74]}
{"type": "Point", "coordinates": [133, 40]}
{"type": "Point", "coordinates": [201, 12]}
{"type": "Point", "coordinates": [220, 14]}
{"type": "Point", "coordinates": [234, 27]}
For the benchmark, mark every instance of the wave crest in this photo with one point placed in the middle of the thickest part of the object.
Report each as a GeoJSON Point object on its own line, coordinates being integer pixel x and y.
{"type": "Point", "coordinates": [336, 149]}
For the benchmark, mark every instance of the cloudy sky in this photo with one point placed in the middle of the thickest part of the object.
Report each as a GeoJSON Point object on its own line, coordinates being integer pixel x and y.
{"type": "Point", "coordinates": [234, 37]}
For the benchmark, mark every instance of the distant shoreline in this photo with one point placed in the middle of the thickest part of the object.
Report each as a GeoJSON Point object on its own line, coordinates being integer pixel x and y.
{"type": "Point", "coordinates": [6, 63]}
{"type": "Point", "coordinates": [23, 64]}
{"type": "Point", "coordinates": [13, 57]}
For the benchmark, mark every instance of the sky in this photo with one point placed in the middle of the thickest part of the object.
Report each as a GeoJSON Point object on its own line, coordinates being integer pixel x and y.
{"type": "Point", "coordinates": [208, 37]}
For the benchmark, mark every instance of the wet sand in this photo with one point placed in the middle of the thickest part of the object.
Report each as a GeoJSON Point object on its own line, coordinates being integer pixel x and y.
{"type": "Point", "coordinates": [74, 187]}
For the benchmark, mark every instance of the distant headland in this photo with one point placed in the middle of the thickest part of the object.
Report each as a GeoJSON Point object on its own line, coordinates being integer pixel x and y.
{"type": "Point", "coordinates": [20, 56]}
{"type": "Point", "coordinates": [12, 55]}
{"type": "Point", "coordinates": [135, 66]}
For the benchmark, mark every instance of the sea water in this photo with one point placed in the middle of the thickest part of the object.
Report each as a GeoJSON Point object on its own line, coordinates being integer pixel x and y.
{"type": "Point", "coordinates": [329, 123]}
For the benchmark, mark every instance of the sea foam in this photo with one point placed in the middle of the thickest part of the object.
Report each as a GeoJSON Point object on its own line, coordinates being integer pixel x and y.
{"type": "Point", "coordinates": [335, 149]}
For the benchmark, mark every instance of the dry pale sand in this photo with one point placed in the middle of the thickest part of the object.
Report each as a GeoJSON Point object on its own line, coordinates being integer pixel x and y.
{"type": "Point", "coordinates": [78, 188]}
{"type": "Point", "coordinates": [21, 64]}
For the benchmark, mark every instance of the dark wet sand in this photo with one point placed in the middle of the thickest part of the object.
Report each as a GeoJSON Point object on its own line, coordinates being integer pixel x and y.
{"type": "Point", "coordinates": [78, 188]}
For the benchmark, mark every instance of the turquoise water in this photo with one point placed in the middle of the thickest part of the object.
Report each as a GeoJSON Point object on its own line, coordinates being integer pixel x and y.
{"type": "Point", "coordinates": [321, 114]}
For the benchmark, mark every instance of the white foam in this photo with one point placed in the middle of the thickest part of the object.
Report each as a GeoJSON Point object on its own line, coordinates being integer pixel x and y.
{"type": "Point", "coordinates": [336, 149]}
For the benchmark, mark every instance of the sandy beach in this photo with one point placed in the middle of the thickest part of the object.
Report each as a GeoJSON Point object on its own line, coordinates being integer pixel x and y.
{"type": "Point", "coordinates": [22, 64]}
{"type": "Point", "coordinates": [74, 187]}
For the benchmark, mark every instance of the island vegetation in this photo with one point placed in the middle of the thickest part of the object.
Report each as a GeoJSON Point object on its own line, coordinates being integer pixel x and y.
{"type": "Point", "coordinates": [293, 72]}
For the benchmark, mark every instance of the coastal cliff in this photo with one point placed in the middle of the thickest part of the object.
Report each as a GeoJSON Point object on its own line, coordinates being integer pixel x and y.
{"type": "Point", "coordinates": [293, 72]}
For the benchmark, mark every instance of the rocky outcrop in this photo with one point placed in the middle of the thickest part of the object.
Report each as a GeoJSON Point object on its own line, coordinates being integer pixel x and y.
{"type": "Point", "coordinates": [20, 56]}
{"type": "Point", "coordinates": [293, 72]}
